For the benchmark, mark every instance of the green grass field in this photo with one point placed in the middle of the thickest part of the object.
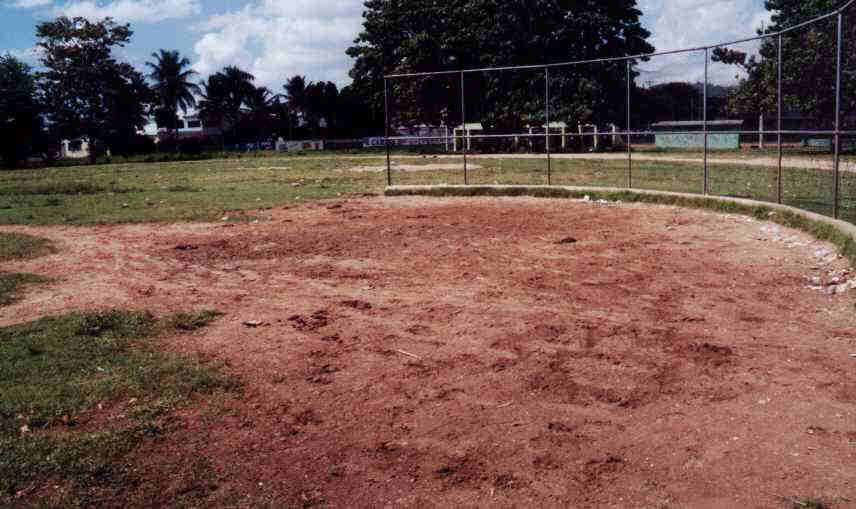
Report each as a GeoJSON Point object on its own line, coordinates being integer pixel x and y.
{"type": "Point", "coordinates": [204, 190]}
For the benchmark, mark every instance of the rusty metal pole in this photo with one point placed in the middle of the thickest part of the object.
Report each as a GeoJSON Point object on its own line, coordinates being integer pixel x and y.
{"type": "Point", "coordinates": [465, 138]}
{"type": "Point", "coordinates": [547, 123]}
{"type": "Point", "coordinates": [386, 130]}
{"type": "Point", "coordinates": [704, 122]}
{"type": "Point", "coordinates": [837, 175]}
{"type": "Point", "coordinates": [629, 151]}
{"type": "Point", "coordinates": [779, 137]}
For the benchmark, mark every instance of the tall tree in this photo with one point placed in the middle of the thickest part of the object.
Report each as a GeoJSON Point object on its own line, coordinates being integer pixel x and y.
{"type": "Point", "coordinates": [19, 111]}
{"type": "Point", "coordinates": [225, 93]}
{"type": "Point", "coordinates": [808, 64]}
{"type": "Point", "coordinates": [260, 111]}
{"type": "Point", "coordinates": [296, 100]}
{"type": "Point", "coordinates": [401, 36]}
{"type": "Point", "coordinates": [173, 87]}
{"type": "Point", "coordinates": [83, 82]}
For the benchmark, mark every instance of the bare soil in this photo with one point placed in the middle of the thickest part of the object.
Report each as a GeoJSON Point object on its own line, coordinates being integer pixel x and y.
{"type": "Point", "coordinates": [488, 352]}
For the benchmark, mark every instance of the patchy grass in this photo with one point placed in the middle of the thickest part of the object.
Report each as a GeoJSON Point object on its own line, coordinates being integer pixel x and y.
{"type": "Point", "coordinates": [18, 246]}
{"type": "Point", "coordinates": [192, 321]}
{"type": "Point", "coordinates": [177, 191]}
{"type": "Point", "coordinates": [79, 392]}
{"type": "Point", "coordinates": [11, 284]}
{"type": "Point", "coordinates": [809, 503]}
{"type": "Point", "coordinates": [205, 190]}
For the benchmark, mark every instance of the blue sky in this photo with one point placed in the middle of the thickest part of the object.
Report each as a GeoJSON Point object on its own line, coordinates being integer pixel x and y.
{"type": "Point", "coordinates": [275, 39]}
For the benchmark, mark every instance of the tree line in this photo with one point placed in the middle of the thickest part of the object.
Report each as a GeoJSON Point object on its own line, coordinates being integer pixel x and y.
{"type": "Point", "coordinates": [85, 91]}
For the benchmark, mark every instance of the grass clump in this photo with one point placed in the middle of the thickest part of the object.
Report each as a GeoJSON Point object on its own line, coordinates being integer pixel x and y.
{"type": "Point", "coordinates": [10, 284]}
{"type": "Point", "coordinates": [188, 322]}
{"type": "Point", "coordinates": [18, 246]}
{"type": "Point", "coordinates": [57, 374]}
{"type": "Point", "coordinates": [809, 503]}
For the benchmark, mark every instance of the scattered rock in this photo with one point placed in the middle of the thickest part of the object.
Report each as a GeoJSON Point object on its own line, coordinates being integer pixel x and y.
{"type": "Point", "coordinates": [253, 323]}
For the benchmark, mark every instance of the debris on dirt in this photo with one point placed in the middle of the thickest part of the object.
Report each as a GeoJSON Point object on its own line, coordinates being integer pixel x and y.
{"type": "Point", "coordinates": [356, 304]}
{"type": "Point", "coordinates": [186, 247]}
{"type": "Point", "coordinates": [402, 352]}
{"type": "Point", "coordinates": [567, 240]}
{"type": "Point", "coordinates": [253, 323]}
{"type": "Point", "coordinates": [307, 417]}
{"type": "Point", "coordinates": [315, 321]}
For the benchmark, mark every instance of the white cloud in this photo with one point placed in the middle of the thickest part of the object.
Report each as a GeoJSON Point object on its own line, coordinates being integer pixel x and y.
{"type": "Point", "coordinates": [147, 11]}
{"type": "Point", "coordinates": [678, 24]}
{"type": "Point", "coordinates": [29, 4]}
{"type": "Point", "coordinates": [274, 40]}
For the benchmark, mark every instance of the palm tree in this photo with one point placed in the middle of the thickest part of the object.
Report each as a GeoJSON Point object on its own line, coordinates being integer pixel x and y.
{"type": "Point", "coordinates": [225, 93]}
{"type": "Point", "coordinates": [173, 88]}
{"type": "Point", "coordinates": [260, 104]}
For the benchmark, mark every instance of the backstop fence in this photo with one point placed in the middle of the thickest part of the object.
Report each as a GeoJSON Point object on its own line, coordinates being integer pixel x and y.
{"type": "Point", "coordinates": [770, 117]}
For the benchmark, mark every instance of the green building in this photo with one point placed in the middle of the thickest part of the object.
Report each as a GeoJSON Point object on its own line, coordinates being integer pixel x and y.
{"type": "Point", "coordinates": [688, 134]}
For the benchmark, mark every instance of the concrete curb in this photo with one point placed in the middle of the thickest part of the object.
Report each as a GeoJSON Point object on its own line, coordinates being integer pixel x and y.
{"type": "Point", "coordinates": [846, 244]}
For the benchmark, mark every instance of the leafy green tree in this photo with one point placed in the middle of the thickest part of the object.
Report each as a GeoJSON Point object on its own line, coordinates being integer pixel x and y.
{"type": "Point", "coordinates": [223, 96]}
{"type": "Point", "coordinates": [808, 64]}
{"type": "Point", "coordinates": [401, 36]}
{"type": "Point", "coordinates": [20, 122]}
{"type": "Point", "coordinates": [173, 87]}
{"type": "Point", "coordinates": [86, 91]}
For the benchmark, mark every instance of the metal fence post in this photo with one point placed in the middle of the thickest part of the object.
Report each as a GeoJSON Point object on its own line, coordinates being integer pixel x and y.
{"type": "Point", "coordinates": [704, 122]}
{"type": "Point", "coordinates": [835, 192]}
{"type": "Point", "coordinates": [779, 123]}
{"type": "Point", "coordinates": [629, 151]}
{"type": "Point", "coordinates": [547, 123]}
{"type": "Point", "coordinates": [465, 139]}
{"type": "Point", "coordinates": [386, 130]}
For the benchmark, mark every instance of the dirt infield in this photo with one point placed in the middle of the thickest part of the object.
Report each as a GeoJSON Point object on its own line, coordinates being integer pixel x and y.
{"type": "Point", "coordinates": [491, 352]}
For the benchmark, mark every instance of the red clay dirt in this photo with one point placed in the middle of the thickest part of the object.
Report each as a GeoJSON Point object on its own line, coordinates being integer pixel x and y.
{"type": "Point", "coordinates": [489, 352]}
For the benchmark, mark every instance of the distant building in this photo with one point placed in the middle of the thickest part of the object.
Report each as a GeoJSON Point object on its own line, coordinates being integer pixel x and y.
{"type": "Point", "coordinates": [687, 134]}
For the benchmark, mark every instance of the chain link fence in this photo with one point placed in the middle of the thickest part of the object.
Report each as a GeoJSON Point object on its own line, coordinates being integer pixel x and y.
{"type": "Point", "coordinates": [759, 118]}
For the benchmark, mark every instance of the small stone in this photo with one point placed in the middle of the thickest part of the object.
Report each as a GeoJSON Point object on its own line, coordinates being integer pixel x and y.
{"type": "Point", "coordinates": [124, 205]}
{"type": "Point", "coordinates": [253, 323]}
{"type": "Point", "coordinates": [25, 429]}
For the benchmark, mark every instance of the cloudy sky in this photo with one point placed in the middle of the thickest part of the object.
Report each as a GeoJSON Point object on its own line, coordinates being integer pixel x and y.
{"type": "Point", "coordinates": [275, 39]}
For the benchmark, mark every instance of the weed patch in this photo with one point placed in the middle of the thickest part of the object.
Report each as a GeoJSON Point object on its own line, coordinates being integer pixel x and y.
{"type": "Point", "coordinates": [10, 284]}
{"type": "Point", "coordinates": [18, 246]}
{"type": "Point", "coordinates": [60, 373]}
